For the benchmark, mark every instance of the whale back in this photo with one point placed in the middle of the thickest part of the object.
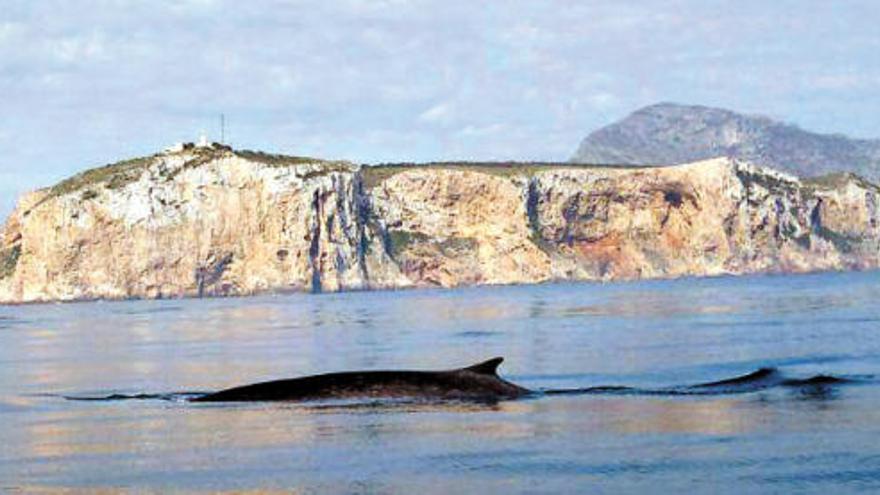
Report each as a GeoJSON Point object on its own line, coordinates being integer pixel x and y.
{"type": "Point", "coordinates": [477, 382]}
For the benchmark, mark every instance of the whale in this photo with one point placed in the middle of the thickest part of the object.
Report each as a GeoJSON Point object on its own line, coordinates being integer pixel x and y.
{"type": "Point", "coordinates": [477, 382]}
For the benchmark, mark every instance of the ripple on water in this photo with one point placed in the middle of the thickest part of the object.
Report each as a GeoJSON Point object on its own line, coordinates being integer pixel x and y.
{"type": "Point", "coordinates": [475, 334]}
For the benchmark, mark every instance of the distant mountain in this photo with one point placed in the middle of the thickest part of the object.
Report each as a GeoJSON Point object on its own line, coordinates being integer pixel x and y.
{"type": "Point", "coordinates": [669, 133]}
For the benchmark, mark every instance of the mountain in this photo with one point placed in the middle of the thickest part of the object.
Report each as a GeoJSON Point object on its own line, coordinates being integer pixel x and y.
{"type": "Point", "coordinates": [213, 221]}
{"type": "Point", "coordinates": [669, 133]}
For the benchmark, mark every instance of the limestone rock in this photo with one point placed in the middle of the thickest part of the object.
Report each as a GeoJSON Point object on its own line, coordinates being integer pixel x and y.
{"type": "Point", "coordinates": [211, 222]}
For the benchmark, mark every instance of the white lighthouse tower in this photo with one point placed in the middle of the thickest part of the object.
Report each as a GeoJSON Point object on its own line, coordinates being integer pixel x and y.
{"type": "Point", "coordinates": [203, 141]}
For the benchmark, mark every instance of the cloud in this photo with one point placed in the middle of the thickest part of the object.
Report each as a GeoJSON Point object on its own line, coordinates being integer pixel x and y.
{"type": "Point", "coordinates": [9, 30]}
{"type": "Point", "coordinates": [603, 100]}
{"type": "Point", "coordinates": [78, 49]}
{"type": "Point", "coordinates": [439, 113]}
{"type": "Point", "coordinates": [845, 81]}
{"type": "Point", "coordinates": [478, 131]}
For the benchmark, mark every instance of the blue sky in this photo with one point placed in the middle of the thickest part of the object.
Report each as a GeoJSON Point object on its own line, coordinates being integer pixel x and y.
{"type": "Point", "coordinates": [85, 83]}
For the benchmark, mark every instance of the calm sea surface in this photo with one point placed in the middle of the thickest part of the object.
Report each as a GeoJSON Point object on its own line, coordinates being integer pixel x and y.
{"type": "Point", "coordinates": [646, 334]}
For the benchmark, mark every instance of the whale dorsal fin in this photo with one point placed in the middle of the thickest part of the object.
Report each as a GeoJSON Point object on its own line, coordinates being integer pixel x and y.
{"type": "Point", "coordinates": [489, 367]}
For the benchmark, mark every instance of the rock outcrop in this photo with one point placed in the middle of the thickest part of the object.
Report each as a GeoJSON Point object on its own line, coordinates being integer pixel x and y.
{"type": "Point", "coordinates": [209, 222]}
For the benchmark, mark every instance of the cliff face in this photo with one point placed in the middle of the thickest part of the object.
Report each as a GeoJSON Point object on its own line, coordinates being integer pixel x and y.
{"type": "Point", "coordinates": [217, 222]}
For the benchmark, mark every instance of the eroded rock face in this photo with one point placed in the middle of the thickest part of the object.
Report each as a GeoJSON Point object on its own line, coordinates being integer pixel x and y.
{"type": "Point", "coordinates": [451, 227]}
{"type": "Point", "coordinates": [190, 225]}
{"type": "Point", "coordinates": [198, 223]}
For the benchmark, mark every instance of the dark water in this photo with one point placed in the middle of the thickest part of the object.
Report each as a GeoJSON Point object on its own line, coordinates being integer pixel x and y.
{"type": "Point", "coordinates": [649, 335]}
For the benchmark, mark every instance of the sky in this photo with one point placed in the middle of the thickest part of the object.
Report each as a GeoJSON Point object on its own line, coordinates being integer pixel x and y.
{"type": "Point", "coordinates": [87, 83]}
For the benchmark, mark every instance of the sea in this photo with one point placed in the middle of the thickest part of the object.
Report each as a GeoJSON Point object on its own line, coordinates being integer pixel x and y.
{"type": "Point", "coordinates": [93, 395]}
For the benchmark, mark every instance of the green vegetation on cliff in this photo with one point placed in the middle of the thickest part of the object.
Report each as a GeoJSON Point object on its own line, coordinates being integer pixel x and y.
{"type": "Point", "coordinates": [114, 176]}
{"type": "Point", "coordinates": [9, 260]}
{"type": "Point", "coordinates": [118, 175]}
{"type": "Point", "coordinates": [274, 160]}
{"type": "Point", "coordinates": [843, 243]}
{"type": "Point", "coordinates": [838, 180]}
{"type": "Point", "coordinates": [376, 174]}
{"type": "Point", "coordinates": [400, 240]}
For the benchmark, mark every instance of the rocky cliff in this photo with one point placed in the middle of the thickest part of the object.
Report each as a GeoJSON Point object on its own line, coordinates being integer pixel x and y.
{"type": "Point", "coordinates": [204, 222]}
{"type": "Point", "coordinates": [670, 133]}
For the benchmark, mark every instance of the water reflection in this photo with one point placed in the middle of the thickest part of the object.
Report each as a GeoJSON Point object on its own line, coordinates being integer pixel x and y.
{"type": "Point", "coordinates": [709, 417]}
{"type": "Point", "coordinates": [403, 407]}
{"type": "Point", "coordinates": [820, 394]}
